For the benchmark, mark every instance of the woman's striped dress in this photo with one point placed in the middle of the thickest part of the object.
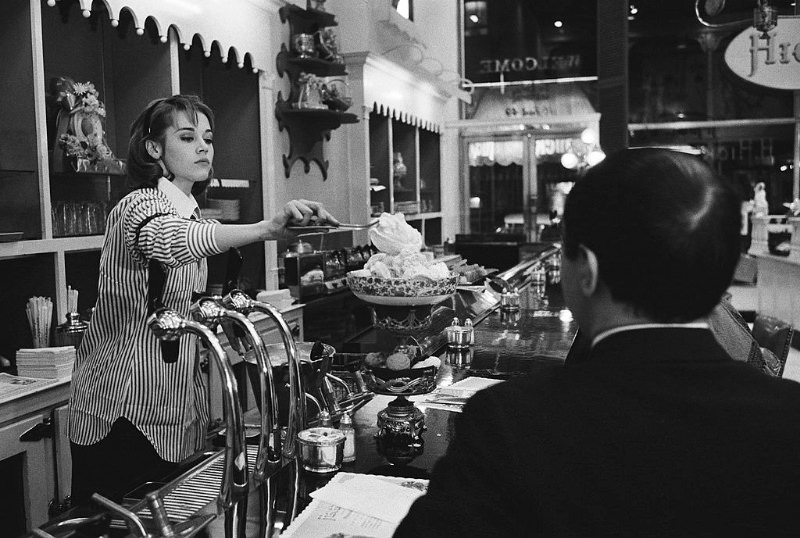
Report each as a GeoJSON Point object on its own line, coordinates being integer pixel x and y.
{"type": "Point", "coordinates": [119, 371]}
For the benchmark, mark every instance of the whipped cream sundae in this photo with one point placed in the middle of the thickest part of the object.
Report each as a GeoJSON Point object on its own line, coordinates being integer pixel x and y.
{"type": "Point", "coordinates": [394, 235]}
{"type": "Point", "coordinates": [400, 253]}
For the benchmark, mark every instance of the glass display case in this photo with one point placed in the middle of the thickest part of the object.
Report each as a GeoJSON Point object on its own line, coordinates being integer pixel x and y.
{"type": "Point", "coordinates": [405, 173]}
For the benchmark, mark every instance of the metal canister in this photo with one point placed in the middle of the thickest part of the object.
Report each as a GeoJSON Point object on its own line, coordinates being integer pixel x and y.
{"type": "Point", "coordinates": [321, 449]}
{"type": "Point", "coordinates": [509, 301]}
{"type": "Point", "coordinates": [71, 333]}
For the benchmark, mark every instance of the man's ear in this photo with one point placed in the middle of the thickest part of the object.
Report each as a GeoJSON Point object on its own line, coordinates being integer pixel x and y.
{"type": "Point", "coordinates": [588, 271]}
{"type": "Point", "coordinates": [153, 149]}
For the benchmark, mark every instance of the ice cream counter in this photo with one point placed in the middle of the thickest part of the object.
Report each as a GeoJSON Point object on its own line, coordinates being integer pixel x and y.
{"type": "Point", "coordinates": [509, 338]}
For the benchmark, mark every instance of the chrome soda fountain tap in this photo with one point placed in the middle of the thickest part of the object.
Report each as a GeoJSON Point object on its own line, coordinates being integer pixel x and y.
{"type": "Point", "coordinates": [169, 326]}
{"type": "Point", "coordinates": [210, 311]}
{"type": "Point", "coordinates": [243, 303]}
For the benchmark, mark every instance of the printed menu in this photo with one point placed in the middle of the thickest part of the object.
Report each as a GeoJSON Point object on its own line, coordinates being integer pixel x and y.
{"type": "Point", "coordinates": [12, 386]}
{"type": "Point", "coordinates": [373, 507]}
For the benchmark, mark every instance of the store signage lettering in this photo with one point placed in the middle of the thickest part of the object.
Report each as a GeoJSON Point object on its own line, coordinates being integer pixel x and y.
{"type": "Point", "coordinates": [544, 147]}
{"type": "Point", "coordinates": [504, 65]}
{"type": "Point", "coordinates": [771, 60]}
{"type": "Point", "coordinates": [757, 150]}
{"type": "Point", "coordinates": [527, 64]}
{"type": "Point", "coordinates": [530, 108]}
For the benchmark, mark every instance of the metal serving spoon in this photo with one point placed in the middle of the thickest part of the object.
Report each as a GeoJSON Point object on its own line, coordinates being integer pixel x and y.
{"type": "Point", "coordinates": [313, 229]}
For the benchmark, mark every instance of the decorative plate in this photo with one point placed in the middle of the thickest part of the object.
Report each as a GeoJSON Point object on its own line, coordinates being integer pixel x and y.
{"type": "Point", "coordinates": [400, 382]}
{"type": "Point", "coordinates": [402, 291]}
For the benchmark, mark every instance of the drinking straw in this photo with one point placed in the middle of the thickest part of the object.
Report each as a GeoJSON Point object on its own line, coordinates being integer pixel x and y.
{"type": "Point", "coordinates": [40, 313]}
{"type": "Point", "coordinates": [72, 299]}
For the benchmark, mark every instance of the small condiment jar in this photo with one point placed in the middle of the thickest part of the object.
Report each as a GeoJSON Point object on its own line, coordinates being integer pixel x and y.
{"type": "Point", "coordinates": [71, 333]}
{"type": "Point", "coordinates": [509, 300]}
{"type": "Point", "coordinates": [346, 427]}
{"type": "Point", "coordinates": [460, 336]}
{"type": "Point", "coordinates": [325, 419]}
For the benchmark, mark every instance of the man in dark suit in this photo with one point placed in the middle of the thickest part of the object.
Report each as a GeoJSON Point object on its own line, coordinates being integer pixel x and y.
{"type": "Point", "coordinates": [659, 432]}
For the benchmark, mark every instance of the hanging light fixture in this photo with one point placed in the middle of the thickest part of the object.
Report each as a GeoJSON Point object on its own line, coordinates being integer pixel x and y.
{"type": "Point", "coordinates": [765, 16]}
{"type": "Point", "coordinates": [569, 161]}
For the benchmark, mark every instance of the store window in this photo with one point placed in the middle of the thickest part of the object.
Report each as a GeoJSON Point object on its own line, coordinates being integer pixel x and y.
{"type": "Point", "coordinates": [684, 94]}
{"type": "Point", "coordinates": [533, 70]}
{"type": "Point", "coordinates": [476, 18]}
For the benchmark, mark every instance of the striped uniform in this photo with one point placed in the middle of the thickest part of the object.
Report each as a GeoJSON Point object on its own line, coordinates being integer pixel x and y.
{"type": "Point", "coordinates": [118, 370]}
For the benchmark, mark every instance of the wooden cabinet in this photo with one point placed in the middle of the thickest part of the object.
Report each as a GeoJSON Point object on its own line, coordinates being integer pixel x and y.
{"type": "Point", "coordinates": [405, 174]}
{"type": "Point", "coordinates": [308, 121]}
{"type": "Point", "coordinates": [24, 464]}
{"type": "Point", "coordinates": [61, 212]}
{"type": "Point", "coordinates": [34, 457]}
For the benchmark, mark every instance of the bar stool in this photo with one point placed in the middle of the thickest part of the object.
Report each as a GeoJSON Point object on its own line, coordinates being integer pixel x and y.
{"type": "Point", "coordinates": [774, 336]}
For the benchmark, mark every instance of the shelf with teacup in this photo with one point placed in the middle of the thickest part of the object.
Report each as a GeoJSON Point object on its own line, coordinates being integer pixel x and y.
{"type": "Point", "coordinates": [317, 100]}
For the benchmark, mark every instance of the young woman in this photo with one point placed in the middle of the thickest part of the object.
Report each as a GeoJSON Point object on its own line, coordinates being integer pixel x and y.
{"type": "Point", "coordinates": [133, 416]}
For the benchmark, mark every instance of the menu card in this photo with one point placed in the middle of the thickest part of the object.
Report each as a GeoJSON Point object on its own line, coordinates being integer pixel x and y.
{"type": "Point", "coordinates": [367, 506]}
{"type": "Point", "coordinates": [468, 387]}
{"type": "Point", "coordinates": [454, 397]}
{"type": "Point", "coordinates": [12, 386]}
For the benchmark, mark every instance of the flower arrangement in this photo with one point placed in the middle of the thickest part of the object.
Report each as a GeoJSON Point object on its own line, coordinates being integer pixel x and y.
{"type": "Point", "coordinates": [81, 135]}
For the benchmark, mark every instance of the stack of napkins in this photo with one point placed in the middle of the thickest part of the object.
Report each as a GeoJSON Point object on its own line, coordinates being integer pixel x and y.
{"type": "Point", "coordinates": [468, 387]}
{"type": "Point", "coordinates": [46, 362]}
{"type": "Point", "coordinates": [454, 397]}
{"type": "Point", "coordinates": [280, 299]}
{"type": "Point", "coordinates": [358, 505]}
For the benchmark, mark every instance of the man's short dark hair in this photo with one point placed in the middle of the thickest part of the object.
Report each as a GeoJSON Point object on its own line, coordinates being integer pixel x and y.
{"type": "Point", "coordinates": [664, 228]}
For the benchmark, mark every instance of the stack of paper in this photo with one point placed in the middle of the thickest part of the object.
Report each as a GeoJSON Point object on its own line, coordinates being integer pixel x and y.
{"type": "Point", "coordinates": [454, 397]}
{"type": "Point", "coordinates": [46, 362]}
{"type": "Point", "coordinates": [468, 387]}
{"type": "Point", "coordinates": [358, 505]}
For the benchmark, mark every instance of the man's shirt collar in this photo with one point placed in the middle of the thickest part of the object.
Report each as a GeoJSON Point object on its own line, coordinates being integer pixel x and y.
{"type": "Point", "coordinates": [691, 325]}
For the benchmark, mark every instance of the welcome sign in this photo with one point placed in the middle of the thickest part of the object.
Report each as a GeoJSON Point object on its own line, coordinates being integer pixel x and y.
{"type": "Point", "coordinates": [771, 59]}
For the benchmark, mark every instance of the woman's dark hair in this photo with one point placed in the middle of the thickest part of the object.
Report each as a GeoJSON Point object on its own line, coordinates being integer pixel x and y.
{"type": "Point", "coordinates": [664, 228]}
{"type": "Point", "coordinates": [152, 124]}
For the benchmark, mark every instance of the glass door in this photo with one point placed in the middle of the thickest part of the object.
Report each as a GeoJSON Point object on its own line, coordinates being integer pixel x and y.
{"type": "Point", "coordinates": [518, 183]}
{"type": "Point", "coordinates": [502, 186]}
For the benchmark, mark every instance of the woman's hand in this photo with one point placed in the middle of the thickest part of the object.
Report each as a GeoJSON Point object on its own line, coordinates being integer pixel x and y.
{"type": "Point", "coordinates": [300, 213]}
{"type": "Point", "coordinates": [295, 213]}
{"type": "Point", "coordinates": [304, 212]}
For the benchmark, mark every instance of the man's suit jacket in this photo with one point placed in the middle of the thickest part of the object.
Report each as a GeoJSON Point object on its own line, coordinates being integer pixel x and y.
{"type": "Point", "coordinates": [658, 433]}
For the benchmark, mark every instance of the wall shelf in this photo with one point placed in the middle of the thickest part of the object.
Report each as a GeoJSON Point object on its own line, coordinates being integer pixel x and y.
{"type": "Point", "coordinates": [308, 128]}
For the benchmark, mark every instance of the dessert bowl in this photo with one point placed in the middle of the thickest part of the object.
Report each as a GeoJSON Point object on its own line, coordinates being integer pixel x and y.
{"type": "Point", "coordinates": [402, 291]}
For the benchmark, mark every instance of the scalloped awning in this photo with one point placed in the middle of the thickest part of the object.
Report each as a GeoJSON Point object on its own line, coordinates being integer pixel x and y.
{"type": "Point", "coordinates": [405, 117]}
{"type": "Point", "coordinates": [238, 27]}
{"type": "Point", "coordinates": [393, 91]}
